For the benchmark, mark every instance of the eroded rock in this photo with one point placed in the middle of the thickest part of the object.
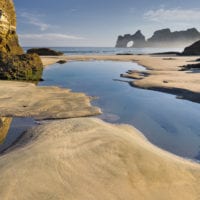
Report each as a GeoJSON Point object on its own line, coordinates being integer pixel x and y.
{"type": "Point", "coordinates": [14, 64]}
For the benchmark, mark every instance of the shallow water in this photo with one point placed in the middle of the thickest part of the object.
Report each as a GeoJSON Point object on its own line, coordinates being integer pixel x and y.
{"type": "Point", "coordinates": [170, 123]}
{"type": "Point", "coordinates": [17, 127]}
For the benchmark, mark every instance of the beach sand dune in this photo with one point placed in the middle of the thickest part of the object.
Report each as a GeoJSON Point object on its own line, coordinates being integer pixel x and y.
{"type": "Point", "coordinates": [88, 159]}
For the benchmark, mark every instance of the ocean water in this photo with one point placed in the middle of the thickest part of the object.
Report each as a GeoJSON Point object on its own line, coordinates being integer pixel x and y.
{"type": "Point", "coordinates": [108, 50]}
{"type": "Point", "coordinates": [169, 123]}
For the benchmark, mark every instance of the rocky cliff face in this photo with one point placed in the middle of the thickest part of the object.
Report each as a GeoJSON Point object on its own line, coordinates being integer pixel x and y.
{"type": "Point", "coordinates": [8, 37]}
{"type": "Point", "coordinates": [164, 38]}
{"type": "Point", "coordinates": [13, 61]}
{"type": "Point", "coordinates": [138, 40]}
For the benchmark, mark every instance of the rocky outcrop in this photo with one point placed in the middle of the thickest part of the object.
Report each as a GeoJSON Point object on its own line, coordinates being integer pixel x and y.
{"type": "Point", "coordinates": [166, 38]}
{"type": "Point", "coordinates": [138, 40]}
{"type": "Point", "coordinates": [192, 50]}
{"type": "Point", "coordinates": [20, 67]}
{"type": "Point", "coordinates": [45, 52]}
{"type": "Point", "coordinates": [163, 38]}
{"type": "Point", "coordinates": [14, 64]}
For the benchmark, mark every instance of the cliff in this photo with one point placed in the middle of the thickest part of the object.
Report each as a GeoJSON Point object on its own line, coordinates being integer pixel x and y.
{"type": "Point", "coordinates": [14, 64]}
{"type": "Point", "coordinates": [138, 40]}
{"type": "Point", "coordinates": [162, 38]}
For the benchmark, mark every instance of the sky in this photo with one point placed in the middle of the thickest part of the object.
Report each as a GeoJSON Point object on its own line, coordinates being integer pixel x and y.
{"type": "Point", "coordinates": [97, 23]}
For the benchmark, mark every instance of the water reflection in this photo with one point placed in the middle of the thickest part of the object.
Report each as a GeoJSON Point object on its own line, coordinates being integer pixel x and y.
{"type": "Point", "coordinates": [11, 129]}
{"type": "Point", "coordinates": [5, 123]}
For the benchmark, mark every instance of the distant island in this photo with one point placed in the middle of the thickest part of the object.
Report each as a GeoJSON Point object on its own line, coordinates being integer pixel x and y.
{"type": "Point", "coordinates": [162, 39]}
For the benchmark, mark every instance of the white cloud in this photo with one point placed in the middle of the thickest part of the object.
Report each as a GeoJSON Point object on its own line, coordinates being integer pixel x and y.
{"type": "Point", "coordinates": [34, 20]}
{"type": "Point", "coordinates": [173, 15]}
{"type": "Point", "coordinates": [49, 36]}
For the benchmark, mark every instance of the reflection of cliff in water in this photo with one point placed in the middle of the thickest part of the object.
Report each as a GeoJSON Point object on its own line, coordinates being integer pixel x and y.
{"type": "Point", "coordinates": [11, 129]}
{"type": "Point", "coordinates": [5, 123]}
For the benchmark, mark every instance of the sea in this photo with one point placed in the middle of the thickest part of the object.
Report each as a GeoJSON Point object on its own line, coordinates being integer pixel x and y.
{"type": "Point", "coordinates": [109, 50]}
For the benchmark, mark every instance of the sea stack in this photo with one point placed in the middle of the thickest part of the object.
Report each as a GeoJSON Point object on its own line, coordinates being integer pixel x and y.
{"type": "Point", "coordinates": [163, 38]}
{"type": "Point", "coordinates": [14, 64]}
{"type": "Point", "coordinates": [137, 39]}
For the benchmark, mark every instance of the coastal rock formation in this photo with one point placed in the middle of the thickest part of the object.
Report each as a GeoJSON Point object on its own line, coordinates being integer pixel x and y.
{"type": "Point", "coordinates": [166, 38]}
{"type": "Point", "coordinates": [192, 50]}
{"type": "Point", "coordinates": [8, 37]}
{"type": "Point", "coordinates": [163, 38]}
{"type": "Point", "coordinates": [14, 64]}
{"type": "Point", "coordinates": [20, 67]}
{"type": "Point", "coordinates": [138, 40]}
{"type": "Point", "coordinates": [45, 52]}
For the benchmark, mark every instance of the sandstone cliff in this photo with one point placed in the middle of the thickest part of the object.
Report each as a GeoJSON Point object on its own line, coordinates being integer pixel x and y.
{"type": "Point", "coordinates": [14, 64]}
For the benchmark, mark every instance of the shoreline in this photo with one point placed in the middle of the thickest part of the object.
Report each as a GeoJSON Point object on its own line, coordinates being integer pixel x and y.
{"type": "Point", "coordinates": [85, 158]}
{"type": "Point", "coordinates": [163, 72]}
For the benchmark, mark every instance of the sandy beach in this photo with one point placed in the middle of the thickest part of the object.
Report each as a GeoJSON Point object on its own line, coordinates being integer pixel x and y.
{"type": "Point", "coordinates": [162, 74]}
{"type": "Point", "coordinates": [82, 159]}
{"type": "Point", "coordinates": [86, 158]}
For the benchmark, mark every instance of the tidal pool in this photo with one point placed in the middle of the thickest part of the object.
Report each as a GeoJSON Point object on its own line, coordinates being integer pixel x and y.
{"type": "Point", "coordinates": [170, 123]}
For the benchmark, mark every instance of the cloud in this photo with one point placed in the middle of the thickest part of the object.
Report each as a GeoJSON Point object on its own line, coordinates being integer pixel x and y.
{"type": "Point", "coordinates": [49, 37]}
{"type": "Point", "coordinates": [173, 15]}
{"type": "Point", "coordinates": [34, 20]}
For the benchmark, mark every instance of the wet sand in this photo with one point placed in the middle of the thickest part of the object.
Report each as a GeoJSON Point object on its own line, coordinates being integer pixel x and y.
{"type": "Point", "coordinates": [21, 99]}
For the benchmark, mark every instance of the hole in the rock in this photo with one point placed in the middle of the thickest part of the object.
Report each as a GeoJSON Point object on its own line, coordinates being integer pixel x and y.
{"type": "Point", "coordinates": [130, 44]}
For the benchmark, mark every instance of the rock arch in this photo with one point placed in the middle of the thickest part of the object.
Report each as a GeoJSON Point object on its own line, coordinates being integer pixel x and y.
{"type": "Point", "coordinates": [138, 40]}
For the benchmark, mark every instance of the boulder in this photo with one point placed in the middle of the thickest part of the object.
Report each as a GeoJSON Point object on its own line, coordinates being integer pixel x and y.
{"type": "Point", "coordinates": [45, 52]}
{"type": "Point", "coordinates": [14, 64]}
{"type": "Point", "coordinates": [192, 50]}
{"type": "Point", "coordinates": [20, 67]}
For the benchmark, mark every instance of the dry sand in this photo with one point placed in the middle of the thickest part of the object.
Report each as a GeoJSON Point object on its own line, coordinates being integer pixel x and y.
{"type": "Point", "coordinates": [20, 99]}
{"type": "Point", "coordinates": [88, 159]}
{"type": "Point", "coordinates": [163, 72]}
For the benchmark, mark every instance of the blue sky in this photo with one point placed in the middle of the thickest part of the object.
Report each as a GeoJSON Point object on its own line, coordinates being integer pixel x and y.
{"type": "Point", "coordinates": [99, 22]}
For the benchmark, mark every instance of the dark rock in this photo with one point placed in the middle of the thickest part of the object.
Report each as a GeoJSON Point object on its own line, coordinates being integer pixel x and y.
{"type": "Point", "coordinates": [45, 52]}
{"type": "Point", "coordinates": [166, 38]}
{"type": "Point", "coordinates": [190, 66]}
{"type": "Point", "coordinates": [61, 61]}
{"type": "Point", "coordinates": [14, 64]}
{"type": "Point", "coordinates": [138, 40]}
{"type": "Point", "coordinates": [192, 50]}
{"type": "Point", "coordinates": [161, 38]}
